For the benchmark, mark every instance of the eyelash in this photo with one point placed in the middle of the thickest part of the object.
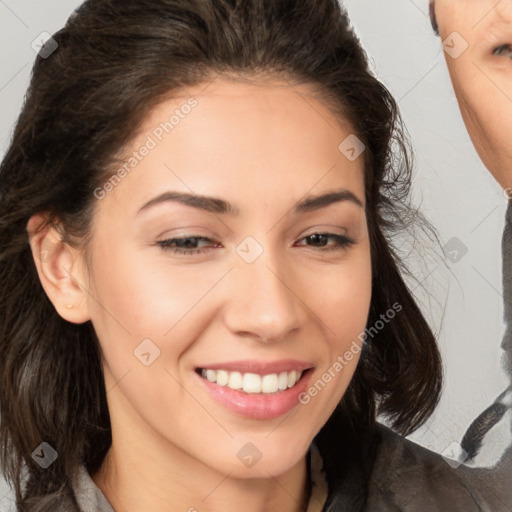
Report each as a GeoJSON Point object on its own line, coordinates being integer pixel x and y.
{"type": "Point", "coordinates": [341, 242]}
{"type": "Point", "coordinates": [503, 50]}
{"type": "Point", "coordinates": [167, 245]}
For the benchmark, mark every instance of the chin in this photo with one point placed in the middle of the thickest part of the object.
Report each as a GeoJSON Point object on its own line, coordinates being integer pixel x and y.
{"type": "Point", "coordinates": [262, 459]}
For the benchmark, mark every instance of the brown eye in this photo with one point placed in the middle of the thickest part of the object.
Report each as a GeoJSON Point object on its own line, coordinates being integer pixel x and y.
{"type": "Point", "coordinates": [504, 50]}
{"type": "Point", "coordinates": [187, 245]}
{"type": "Point", "coordinates": [327, 241]}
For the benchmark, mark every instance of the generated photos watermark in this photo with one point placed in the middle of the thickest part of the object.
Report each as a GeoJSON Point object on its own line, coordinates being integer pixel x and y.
{"type": "Point", "coordinates": [151, 142]}
{"type": "Point", "coordinates": [343, 359]}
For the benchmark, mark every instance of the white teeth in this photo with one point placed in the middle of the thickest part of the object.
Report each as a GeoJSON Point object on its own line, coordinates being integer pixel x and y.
{"type": "Point", "coordinates": [252, 382]}
{"type": "Point", "coordinates": [269, 383]}
{"type": "Point", "coordinates": [291, 378]}
{"type": "Point", "coordinates": [283, 381]}
{"type": "Point", "coordinates": [222, 377]}
{"type": "Point", "coordinates": [235, 380]}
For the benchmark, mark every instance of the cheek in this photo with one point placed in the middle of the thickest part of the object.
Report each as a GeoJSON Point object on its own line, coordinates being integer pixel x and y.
{"type": "Point", "coordinates": [344, 309]}
{"type": "Point", "coordinates": [482, 85]}
{"type": "Point", "coordinates": [488, 119]}
{"type": "Point", "coordinates": [343, 301]}
{"type": "Point", "coordinates": [141, 296]}
{"type": "Point", "coordinates": [142, 288]}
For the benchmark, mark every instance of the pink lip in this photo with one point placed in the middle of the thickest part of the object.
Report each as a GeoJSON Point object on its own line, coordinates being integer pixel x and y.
{"type": "Point", "coordinates": [260, 367]}
{"type": "Point", "coordinates": [257, 406]}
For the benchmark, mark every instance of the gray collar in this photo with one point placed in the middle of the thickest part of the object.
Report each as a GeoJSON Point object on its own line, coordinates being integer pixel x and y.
{"type": "Point", "coordinates": [90, 498]}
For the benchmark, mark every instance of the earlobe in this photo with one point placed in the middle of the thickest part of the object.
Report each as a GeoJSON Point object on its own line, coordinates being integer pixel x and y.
{"type": "Point", "coordinates": [60, 268]}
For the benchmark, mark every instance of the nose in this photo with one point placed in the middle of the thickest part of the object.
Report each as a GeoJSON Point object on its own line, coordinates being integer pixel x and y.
{"type": "Point", "coordinates": [264, 303]}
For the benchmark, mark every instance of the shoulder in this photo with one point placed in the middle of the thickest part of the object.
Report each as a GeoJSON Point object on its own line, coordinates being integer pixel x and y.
{"type": "Point", "coordinates": [374, 469]}
{"type": "Point", "coordinates": [409, 477]}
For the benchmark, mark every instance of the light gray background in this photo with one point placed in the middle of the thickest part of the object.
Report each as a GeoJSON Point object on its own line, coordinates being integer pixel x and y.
{"type": "Point", "coordinates": [464, 301]}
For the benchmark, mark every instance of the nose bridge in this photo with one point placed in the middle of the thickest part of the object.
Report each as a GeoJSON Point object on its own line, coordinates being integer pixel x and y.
{"type": "Point", "coordinates": [262, 301]}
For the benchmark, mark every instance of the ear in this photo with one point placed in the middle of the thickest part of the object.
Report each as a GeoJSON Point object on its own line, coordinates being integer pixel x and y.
{"type": "Point", "coordinates": [61, 270]}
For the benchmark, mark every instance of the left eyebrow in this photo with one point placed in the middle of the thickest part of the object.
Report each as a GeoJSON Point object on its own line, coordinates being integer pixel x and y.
{"type": "Point", "coordinates": [312, 203]}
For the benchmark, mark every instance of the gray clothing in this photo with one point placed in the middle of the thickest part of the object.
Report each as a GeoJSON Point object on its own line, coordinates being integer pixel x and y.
{"type": "Point", "coordinates": [378, 472]}
{"type": "Point", "coordinates": [507, 289]}
{"type": "Point", "coordinates": [90, 498]}
{"type": "Point", "coordinates": [87, 494]}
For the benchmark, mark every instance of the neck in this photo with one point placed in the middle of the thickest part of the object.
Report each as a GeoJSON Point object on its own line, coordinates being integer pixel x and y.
{"type": "Point", "coordinates": [134, 482]}
{"type": "Point", "coordinates": [145, 471]}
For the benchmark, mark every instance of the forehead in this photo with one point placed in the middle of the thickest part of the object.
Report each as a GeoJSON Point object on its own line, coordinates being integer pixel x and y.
{"type": "Point", "coordinates": [479, 22]}
{"type": "Point", "coordinates": [241, 139]}
{"type": "Point", "coordinates": [265, 91]}
{"type": "Point", "coordinates": [478, 11]}
{"type": "Point", "coordinates": [236, 116]}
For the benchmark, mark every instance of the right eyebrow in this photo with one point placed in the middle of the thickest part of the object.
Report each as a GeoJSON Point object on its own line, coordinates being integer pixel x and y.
{"type": "Point", "coordinates": [207, 203]}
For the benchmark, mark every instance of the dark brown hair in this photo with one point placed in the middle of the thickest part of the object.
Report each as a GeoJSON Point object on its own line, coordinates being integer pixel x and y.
{"type": "Point", "coordinates": [115, 60]}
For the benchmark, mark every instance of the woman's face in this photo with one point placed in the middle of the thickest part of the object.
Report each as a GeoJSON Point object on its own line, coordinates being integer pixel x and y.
{"type": "Point", "coordinates": [235, 246]}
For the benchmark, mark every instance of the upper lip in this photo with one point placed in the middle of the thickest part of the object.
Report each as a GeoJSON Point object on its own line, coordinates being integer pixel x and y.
{"type": "Point", "coordinates": [260, 367]}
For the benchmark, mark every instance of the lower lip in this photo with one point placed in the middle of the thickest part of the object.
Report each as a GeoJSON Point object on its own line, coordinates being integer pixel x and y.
{"type": "Point", "coordinates": [258, 406]}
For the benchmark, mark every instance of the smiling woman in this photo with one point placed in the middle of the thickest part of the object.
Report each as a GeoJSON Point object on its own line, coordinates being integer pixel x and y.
{"type": "Point", "coordinates": [157, 342]}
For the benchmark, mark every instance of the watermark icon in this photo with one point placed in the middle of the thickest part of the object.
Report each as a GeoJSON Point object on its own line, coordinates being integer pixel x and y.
{"type": "Point", "coordinates": [249, 249]}
{"type": "Point", "coordinates": [455, 249]}
{"type": "Point", "coordinates": [151, 142]}
{"type": "Point", "coordinates": [326, 377]}
{"type": "Point", "coordinates": [352, 148]}
{"type": "Point", "coordinates": [45, 455]}
{"type": "Point", "coordinates": [44, 45]}
{"type": "Point", "coordinates": [147, 352]}
{"type": "Point", "coordinates": [249, 455]}
{"type": "Point", "coordinates": [454, 454]}
{"type": "Point", "coordinates": [343, 359]}
{"type": "Point", "coordinates": [455, 45]}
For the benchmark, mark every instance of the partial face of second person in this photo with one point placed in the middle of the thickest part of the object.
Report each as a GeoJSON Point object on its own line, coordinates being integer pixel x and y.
{"type": "Point", "coordinates": [482, 75]}
{"type": "Point", "coordinates": [238, 243]}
